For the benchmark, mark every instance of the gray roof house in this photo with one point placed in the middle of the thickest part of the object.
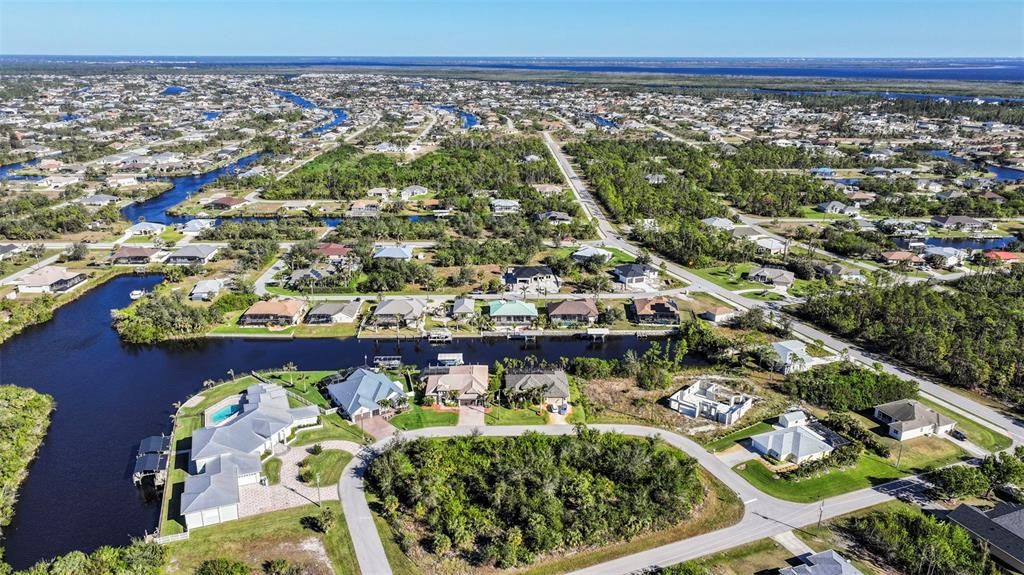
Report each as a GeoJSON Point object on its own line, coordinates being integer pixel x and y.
{"type": "Point", "coordinates": [393, 253]}
{"type": "Point", "coordinates": [192, 254]}
{"type": "Point", "coordinates": [205, 290]}
{"type": "Point", "coordinates": [908, 418]}
{"type": "Point", "coordinates": [772, 276]}
{"type": "Point", "coordinates": [797, 444]}
{"type": "Point", "coordinates": [463, 307]}
{"type": "Point", "coordinates": [554, 383]}
{"type": "Point", "coordinates": [359, 393]}
{"type": "Point", "coordinates": [1002, 528]}
{"type": "Point", "coordinates": [793, 356]}
{"type": "Point", "coordinates": [334, 312]}
{"type": "Point", "coordinates": [399, 311]}
{"type": "Point", "coordinates": [824, 563]}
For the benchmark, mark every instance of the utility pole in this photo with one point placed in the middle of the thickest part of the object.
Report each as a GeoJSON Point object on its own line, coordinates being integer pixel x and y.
{"type": "Point", "coordinates": [319, 503]}
{"type": "Point", "coordinates": [821, 512]}
{"type": "Point", "coordinates": [899, 457]}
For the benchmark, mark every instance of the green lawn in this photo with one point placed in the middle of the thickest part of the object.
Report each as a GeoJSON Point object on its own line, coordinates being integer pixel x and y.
{"type": "Point", "coordinates": [812, 214]}
{"type": "Point", "coordinates": [334, 427]}
{"type": "Point", "coordinates": [399, 561]}
{"type": "Point", "coordinates": [303, 383]}
{"type": "Point", "coordinates": [168, 235]}
{"type": "Point", "coordinates": [255, 540]}
{"type": "Point", "coordinates": [976, 433]}
{"type": "Point", "coordinates": [504, 416]}
{"type": "Point", "coordinates": [272, 470]}
{"type": "Point", "coordinates": [730, 281]}
{"type": "Point", "coordinates": [329, 464]}
{"type": "Point", "coordinates": [762, 556]}
{"type": "Point", "coordinates": [727, 441]}
{"type": "Point", "coordinates": [418, 417]}
{"type": "Point", "coordinates": [330, 330]}
{"type": "Point", "coordinates": [230, 327]}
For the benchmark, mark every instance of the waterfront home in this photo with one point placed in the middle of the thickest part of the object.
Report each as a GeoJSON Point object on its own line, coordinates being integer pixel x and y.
{"type": "Point", "coordinates": [146, 229]}
{"type": "Point", "coordinates": [723, 224]}
{"type": "Point", "coordinates": [896, 257]}
{"type": "Point", "coordinates": [636, 276]}
{"type": "Point", "coordinates": [120, 181]}
{"type": "Point", "coordinates": [133, 256]}
{"type": "Point", "coordinates": [1001, 528]}
{"type": "Point", "coordinates": [206, 290]}
{"type": "Point", "coordinates": [769, 246]}
{"type": "Point", "coordinates": [197, 225]}
{"type": "Point", "coordinates": [334, 312]}
{"type": "Point", "coordinates": [228, 454]}
{"type": "Point", "coordinates": [399, 311]}
{"type": "Point", "coordinates": [573, 312]}
{"type": "Point", "coordinates": [363, 209]}
{"type": "Point", "coordinates": [908, 418]}
{"type": "Point", "coordinates": [553, 217]}
{"type": "Point", "coordinates": [278, 311]}
{"type": "Point", "coordinates": [225, 203]}
{"type": "Point", "coordinates": [551, 385]}
{"type": "Point", "coordinates": [97, 200]}
{"type": "Point", "coordinates": [531, 278]}
{"type": "Point", "coordinates": [772, 276]}
{"type": "Point", "coordinates": [718, 314]}
{"type": "Point", "coordinates": [192, 254]}
{"type": "Point", "coordinates": [791, 357]}
{"type": "Point", "coordinates": [798, 444]}
{"type": "Point", "coordinates": [964, 223]}
{"type": "Point", "coordinates": [464, 384]}
{"type": "Point", "coordinates": [363, 393]}
{"type": "Point", "coordinates": [500, 207]}
{"type": "Point", "coordinates": [393, 253]}
{"type": "Point", "coordinates": [712, 401]}
{"type": "Point", "coordinates": [587, 253]}
{"type": "Point", "coordinates": [50, 279]}
{"type": "Point", "coordinates": [656, 310]}
{"type": "Point", "coordinates": [463, 308]}
{"type": "Point", "coordinates": [409, 192]}
{"type": "Point", "coordinates": [512, 313]}
{"type": "Point", "coordinates": [825, 563]}
{"type": "Point", "coordinates": [945, 256]}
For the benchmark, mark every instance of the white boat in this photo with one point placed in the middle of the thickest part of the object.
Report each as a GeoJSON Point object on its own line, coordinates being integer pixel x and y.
{"type": "Point", "coordinates": [136, 294]}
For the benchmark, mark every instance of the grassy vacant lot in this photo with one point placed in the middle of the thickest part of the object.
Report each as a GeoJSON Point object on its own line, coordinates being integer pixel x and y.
{"type": "Point", "coordinates": [976, 433]}
{"type": "Point", "coordinates": [762, 556]}
{"type": "Point", "coordinates": [504, 416]}
{"type": "Point", "coordinates": [919, 455]}
{"type": "Point", "coordinates": [729, 280]}
{"type": "Point", "coordinates": [721, 509]}
{"type": "Point", "coordinates": [328, 464]}
{"type": "Point", "coordinates": [328, 330]}
{"type": "Point", "coordinates": [418, 417]}
{"type": "Point", "coordinates": [277, 535]}
{"type": "Point", "coordinates": [727, 441]}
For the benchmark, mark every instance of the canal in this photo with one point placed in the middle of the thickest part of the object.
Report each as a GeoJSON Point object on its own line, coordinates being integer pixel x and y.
{"type": "Point", "coordinates": [79, 493]}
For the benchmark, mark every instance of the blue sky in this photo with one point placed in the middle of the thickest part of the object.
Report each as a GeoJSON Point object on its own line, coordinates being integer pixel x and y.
{"type": "Point", "coordinates": [767, 28]}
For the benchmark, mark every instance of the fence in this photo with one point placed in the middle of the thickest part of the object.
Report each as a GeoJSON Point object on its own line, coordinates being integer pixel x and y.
{"type": "Point", "coordinates": [165, 539]}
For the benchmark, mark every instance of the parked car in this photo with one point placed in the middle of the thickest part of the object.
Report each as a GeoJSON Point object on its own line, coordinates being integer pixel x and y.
{"type": "Point", "coordinates": [958, 435]}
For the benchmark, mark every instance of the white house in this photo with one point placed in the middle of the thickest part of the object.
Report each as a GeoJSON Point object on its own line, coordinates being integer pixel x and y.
{"type": "Point", "coordinates": [908, 418]}
{"type": "Point", "coordinates": [710, 400]}
{"type": "Point", "coordinates": [792, 356]}
{"type": "Point", "coordinates": [797, 444]}
{"type": "Point", "coordinates": [50, 279]}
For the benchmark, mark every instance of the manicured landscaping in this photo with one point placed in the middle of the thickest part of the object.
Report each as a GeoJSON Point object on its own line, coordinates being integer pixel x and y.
{"type": "Point", "coordinates": [255, 540]}
{"type": "Point", "coordinates": [332, 427]}
{"type": "Point", "coordinates": [328, 465]}
{"type": "Point", "coordinates": [418, 417]}
{"type": "Point", "coordinates": [976, 433]}
{"type": "Point", "coordinates": [272, 470]}
{"type": "Point", "coordinates": [729, 280]}
{"type": "Point", "coordinates": [727, 441]}
{"type": "Point", "coordinates": [497, 415]}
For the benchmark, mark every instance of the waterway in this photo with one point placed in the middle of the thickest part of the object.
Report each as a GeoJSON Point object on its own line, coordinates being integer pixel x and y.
{"type": "Point", "coordinates": [340, 115]}
{"type": "Point", "coordinates": [8, 172]}
{"type": "Point", "coordinates": [1001, 174]}
{"type": "Point", "coordinates": [963, 243]}
{"type": "Point", "coordinates": [79, 493]}
{"type": "Point", "coordinates": [468, 120]}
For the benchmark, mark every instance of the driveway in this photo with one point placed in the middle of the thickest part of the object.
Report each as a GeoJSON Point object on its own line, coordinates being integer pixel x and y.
{"type": "Point", "coordinates": [472, 416]}
{"type": "Point", "coordinates": [378, 427]}
{"type": "Point", "coordinates": [735, 455]}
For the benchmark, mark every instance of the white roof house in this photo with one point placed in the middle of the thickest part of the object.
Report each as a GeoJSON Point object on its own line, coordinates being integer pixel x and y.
{"type": "Point", "coordinates": [393, 252]}
{"type": "Point", "coordinates": [793, 356]}
{"type": "Point", "coordinates": [824, 563]}
{"type": "Point", "coordinates": [146, 228]}
{"type": "Point", "coordinates": [588, 252]}
{"type": "Point", "coordinates": [797, 444]}
{"type": "Point", "coordinates": [719, 223]}
{"type": "Point", "coordinates": [359, 394]}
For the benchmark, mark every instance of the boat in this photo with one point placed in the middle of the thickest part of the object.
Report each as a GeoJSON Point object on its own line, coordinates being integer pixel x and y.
{"type": "Point", "coordinates": [136, 294]}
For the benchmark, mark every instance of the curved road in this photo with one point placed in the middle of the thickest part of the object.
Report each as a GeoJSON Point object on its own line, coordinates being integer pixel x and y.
{"type": "Point", "coordinates": [763, 516]}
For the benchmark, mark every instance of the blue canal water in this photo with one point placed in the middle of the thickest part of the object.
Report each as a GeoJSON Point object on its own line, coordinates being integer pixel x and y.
{"type": "Point", "coordinates": [79, 493]}
{"type": "Point", "coordinates": [209, 116]}
{"type": "Point", "coordinates": [70, 117]}
{"type": "Point", "coordinates": [468, 120]}
{"type": "Point", "coordinates": [155, 209]}
{"type": "Point", "coordinates": [340, 115]}
{"type": "Point", "coordinates": [603, 122]}
{"type": "Point", "coordinates": [174, 90]}
{"type": "Point", "coordinates": [8, 172]}
{"type": "Point", "coordinates": [963, 243]}
{"type": "Point", "coordinates": [1001, 174]}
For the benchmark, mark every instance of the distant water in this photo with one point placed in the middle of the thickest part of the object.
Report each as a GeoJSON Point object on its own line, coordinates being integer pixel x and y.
{"type": "Point", "coordinates": [1002, 174]}
{"type": "Point", "coordinates": [340, 115]}
{"type": "Point", "coordinates": [174, 90]}
{"type": "Point", "coordinates": [210, 116]}
{"type": "Point", "coordinates": [7, 171]}
{"type": "Point", "coordinates": [468, 120]}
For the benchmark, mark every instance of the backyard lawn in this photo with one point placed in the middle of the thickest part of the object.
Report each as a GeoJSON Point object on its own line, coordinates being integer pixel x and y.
{"type": "Point", "coordinates": [418, 417]}
{"type": "Point", "coordinates": [255, 540]}
{"type": "Point", "coordinates": [328, 464]}
{"type": "Point", "coordinates": [498, 415]}
{"type": "Point", "coordinates": [727, 441]}
{"type": "Point", "coordinates": [333, 427]}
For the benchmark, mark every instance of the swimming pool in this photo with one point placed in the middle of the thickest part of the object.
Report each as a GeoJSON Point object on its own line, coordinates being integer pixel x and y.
{"type": "Point", "coordinates": [225, 412]}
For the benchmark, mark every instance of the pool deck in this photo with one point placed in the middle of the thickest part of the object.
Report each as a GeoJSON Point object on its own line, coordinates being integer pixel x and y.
{"type": "Point", "coordinates": [210, 411]}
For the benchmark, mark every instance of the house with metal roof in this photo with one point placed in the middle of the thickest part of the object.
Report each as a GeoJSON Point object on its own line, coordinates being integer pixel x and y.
{"type": "Point", "coordinates": [360, 393]}
{"type": "Point", "coordinates": [512, 312]}
{"type": "Point", "coordinates": [400, 311]}
{"type": "Point", "coordinates": [797, 444]}
{"type": "Point", "coordinates": [393, 253]}
{"type": "Point", "coordinates": [193, 254]}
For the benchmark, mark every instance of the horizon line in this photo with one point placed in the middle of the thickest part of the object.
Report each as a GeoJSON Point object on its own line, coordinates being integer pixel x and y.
{"type": "Point", "coordinates": [519, 57]}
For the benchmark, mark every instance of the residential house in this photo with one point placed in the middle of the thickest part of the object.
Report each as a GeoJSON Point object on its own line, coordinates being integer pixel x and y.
{"type": "Point", "coordinates": [97, 200]}
{"type": "Point", "coordinates": [792, 356]}
{"type": "Point", "coordinates": [146, 229]}
{"type": "Point", "coordinates": [793, 419]}
{"type": "Point", "coordinates": [1001, 528]}
{"type": "Point", "coordinates": [500, 207]}
{"type": "Point", "coordinates": [553, 217]}
{"type": "Point", "coordinates": [409, 192]}
{"type": "Point", "coordinates": [225, 203]}
{"type": "Point", "coordinates": [278, 311]}
{"type": "Point", "coordinates": [947, 257]}
{"type": "Point", "coordinates": [360, 393]}
{"type": "Point", "coordinates": [193, 254]}
{"type": "Point", "coordinates": [205, 290]}
{"type": "Point", "coordinates": [573, 312]}
{"type": "Point", "coordinates": [798, 444]}
{"type": "Point", "coordinates": [553, 385]}
{"type": "Point", "coordinates": [50, 279]}
{"type": "Point", "coordinates": [1002, 258]}
{"type": "Point", "coordinates": [769, 245]}
{"type": "Point", "coordinates": [655, 310]}
{"type": "Point", "coordinates": [507, 313]}
{"type": "Point", "coordinates": [393, 253]}
{"type": "Point", "coordinates": [712, 401]}
{"type": "Point", "coordinates": [634, 275]}
{"type": "Point", "coordinates": [837, 271]}
{"type": "Point", "coordinates": [772, 276]}
{"type": "Point", "coordinates": [719, 314]}
{"type": "Point", "coordinates": [908, 418]}
{"type": "Point", "coordinates": [531, 278]}
{"type": "Point", "coordinates": [825, 563]}
{"type": "Point", "coordinates": [834, 207]}
{"type": "Point", "coordinates": [334, 312]}
{"type": "Point", "coordinates": [965, 223]}
{"type": "Point", "coordinates": [133, 256]}
{"type": "Point", "coordinates": [465, 384]}
{"type": "Point", "coordinates": [724, 224]}
{"type": "Point", "coordinates": [197, 225]}
{"type": "Point", "coordinates": [900, 257]}
{"type": "Point", "coordinates": [587, 253]}
{"type": "Point", "coordinates": [399, 311]}
{"type": "Point", "coordinates": [9, 250]}
{"type": "Point", "coordinates": [463, 308]}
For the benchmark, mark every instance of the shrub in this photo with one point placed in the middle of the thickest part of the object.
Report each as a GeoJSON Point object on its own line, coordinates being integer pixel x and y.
{"type": "Point", "coordinates": [223, 567]}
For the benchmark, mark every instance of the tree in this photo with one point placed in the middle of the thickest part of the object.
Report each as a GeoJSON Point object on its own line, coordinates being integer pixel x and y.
{"type": "Point", "coordinates": [223, 567]}
{"type": "Point", "coordinates": [78, 251]}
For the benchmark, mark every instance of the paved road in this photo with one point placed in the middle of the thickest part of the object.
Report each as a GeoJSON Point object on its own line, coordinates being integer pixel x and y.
{"type": "Point", "coordinates": [764, 515]}
{"type": "Point", "coordinates": [1013, 427]}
